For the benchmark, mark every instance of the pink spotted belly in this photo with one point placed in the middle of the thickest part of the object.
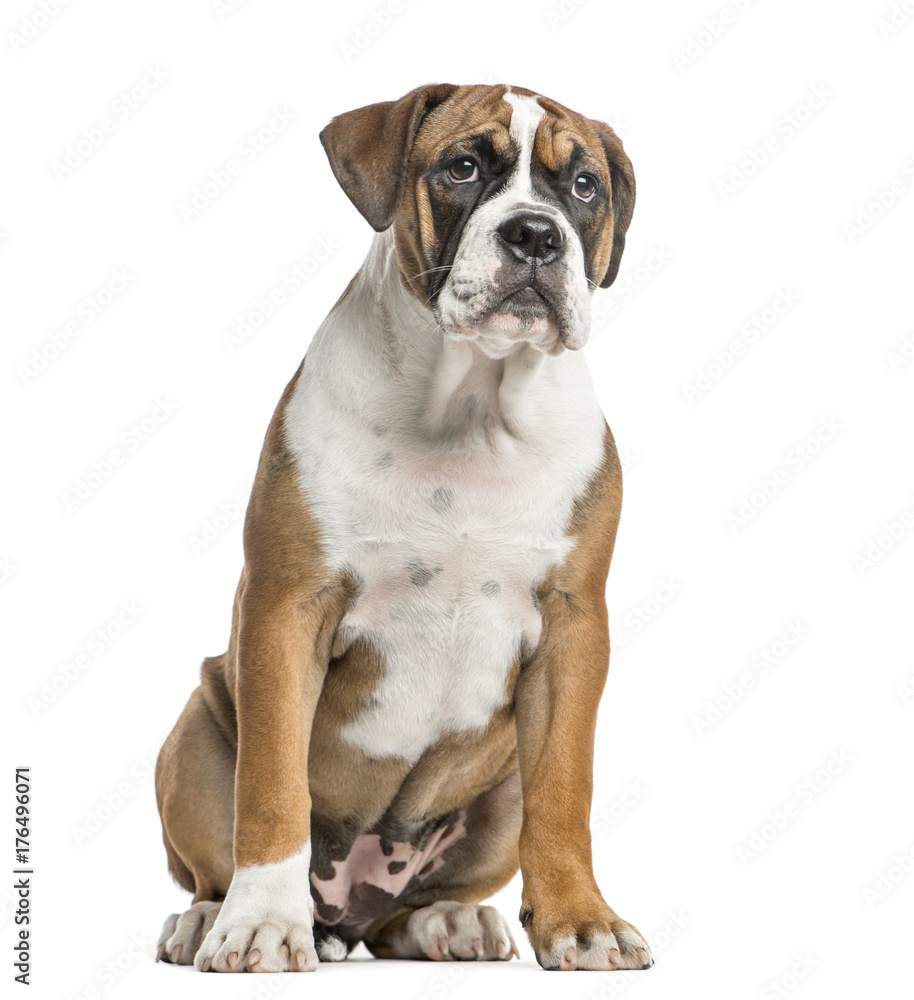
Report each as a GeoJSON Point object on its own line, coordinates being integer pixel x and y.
{"type": "Point", "coordinates": [366, 884]}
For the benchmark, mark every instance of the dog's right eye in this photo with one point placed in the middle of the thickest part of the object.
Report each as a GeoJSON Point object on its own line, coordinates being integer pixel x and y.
{"type": "Point", "coordinates": [463, 169]}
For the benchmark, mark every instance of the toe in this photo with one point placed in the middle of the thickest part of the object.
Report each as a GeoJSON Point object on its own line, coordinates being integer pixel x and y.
{"type": "Point", "coordinates": [168, 928]}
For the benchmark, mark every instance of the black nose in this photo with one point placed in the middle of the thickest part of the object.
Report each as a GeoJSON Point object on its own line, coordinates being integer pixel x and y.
{"type": "Point", "coordinates": [532, 237]}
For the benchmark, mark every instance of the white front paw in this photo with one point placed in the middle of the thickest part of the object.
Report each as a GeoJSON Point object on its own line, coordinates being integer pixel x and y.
{"type": "Point", "coordinates": [265, 922]}
{"type": "Point", "coordinates": [269, 946]}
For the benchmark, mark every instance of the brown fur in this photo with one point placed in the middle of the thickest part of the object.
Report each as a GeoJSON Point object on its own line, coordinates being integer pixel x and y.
{"type": "Point", "coordinates": [556, 702]}
{"type": "Point", "coordinates": [388, 181]}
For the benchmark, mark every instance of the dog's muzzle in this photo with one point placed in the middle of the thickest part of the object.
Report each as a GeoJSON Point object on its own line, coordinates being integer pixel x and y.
{"type": "Point", "coordinates": [517, 279]}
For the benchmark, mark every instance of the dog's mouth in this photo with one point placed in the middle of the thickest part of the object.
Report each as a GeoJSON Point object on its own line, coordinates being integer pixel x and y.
{"type": "Point", "coordinates": [528, 302]}
{"type": "Point", "coordinates": [526, 297]}
{"type": "Point", "coordinates": [507, 309]}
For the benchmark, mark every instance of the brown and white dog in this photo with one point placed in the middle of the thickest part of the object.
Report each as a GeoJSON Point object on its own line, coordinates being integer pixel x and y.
{"type": "Point", "coordinates": [406, 711]}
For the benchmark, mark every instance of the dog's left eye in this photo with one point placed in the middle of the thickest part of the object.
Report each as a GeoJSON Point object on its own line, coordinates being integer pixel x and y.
{"type": "Point", "coordinates": [584, 187]}
{"type": "Point", "coordinates": [463, 169]}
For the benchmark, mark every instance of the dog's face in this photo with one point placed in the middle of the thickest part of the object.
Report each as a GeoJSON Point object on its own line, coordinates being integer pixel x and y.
{"type": "Point", "coordinates": [508, 209]}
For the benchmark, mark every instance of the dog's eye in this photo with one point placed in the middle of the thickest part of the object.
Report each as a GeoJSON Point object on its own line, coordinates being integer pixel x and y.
{"type": "Point", "coordinates": [584, 187]}
{"type": "Point", "coordinates": [463, 169]}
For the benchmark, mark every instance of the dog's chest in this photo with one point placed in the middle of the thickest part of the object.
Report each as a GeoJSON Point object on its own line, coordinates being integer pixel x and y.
{"type": "Point", "coordinates": [446, 545]}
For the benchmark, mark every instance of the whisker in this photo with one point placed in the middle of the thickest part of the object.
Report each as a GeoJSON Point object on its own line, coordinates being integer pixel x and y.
{"type": "Point", "coordinates": [431, 270]}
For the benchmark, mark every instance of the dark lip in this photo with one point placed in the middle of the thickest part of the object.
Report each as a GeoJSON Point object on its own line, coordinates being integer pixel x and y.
{"type": "Point", "coordinates": [527, 286]}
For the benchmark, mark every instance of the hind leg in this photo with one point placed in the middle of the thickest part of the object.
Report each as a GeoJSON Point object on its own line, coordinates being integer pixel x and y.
{"type": "Point", "coordinates": [446, 930]}
{"type": "Point", "coordinates": [182, 933]}
{"type": "Point", "coordinates": [194, 787]}
{"type": "Point", "coordinates": [444, 919]}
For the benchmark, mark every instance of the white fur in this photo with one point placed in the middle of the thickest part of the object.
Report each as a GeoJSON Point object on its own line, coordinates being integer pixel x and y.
{"type": "Point", "coordinates": [332, 949]}
{"type": "Point", "coordinates": [525, 118]}
{"type": "Point", "coordinates": [266, 907]}
{"type": "Point", "coordinates": [408, 483]}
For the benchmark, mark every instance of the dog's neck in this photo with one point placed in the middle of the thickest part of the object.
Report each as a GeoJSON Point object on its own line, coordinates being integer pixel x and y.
{"type": "Point", "coordinates": [399, 354]}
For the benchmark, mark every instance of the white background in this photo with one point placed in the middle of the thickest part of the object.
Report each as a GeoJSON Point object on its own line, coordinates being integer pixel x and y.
{"type": "Point", "coordinates": [816, 408]}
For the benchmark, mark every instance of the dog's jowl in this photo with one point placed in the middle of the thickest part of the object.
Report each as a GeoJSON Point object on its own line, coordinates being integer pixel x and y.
{"type": "Point", "coordinates": [405, 714]}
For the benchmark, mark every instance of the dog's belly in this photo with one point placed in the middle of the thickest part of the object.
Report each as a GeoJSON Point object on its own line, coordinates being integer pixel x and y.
{"type": "Point", "coordinates": [354, 890]}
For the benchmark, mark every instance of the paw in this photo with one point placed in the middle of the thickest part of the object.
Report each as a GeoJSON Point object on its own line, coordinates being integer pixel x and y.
{"type": "Point", "coordinates": [279, 945]}
{"type": "Point", "coordinates": [562, 941]}
{"type": "Point", "coordinates": [448, 930]}
{"type": "Point", "coordinates": [183, 933]}
{"type": "Point", "coordinates": [265, 922]}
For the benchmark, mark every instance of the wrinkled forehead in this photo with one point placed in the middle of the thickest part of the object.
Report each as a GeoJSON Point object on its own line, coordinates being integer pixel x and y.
{"type": "Point", "coordinates": [513, 122]}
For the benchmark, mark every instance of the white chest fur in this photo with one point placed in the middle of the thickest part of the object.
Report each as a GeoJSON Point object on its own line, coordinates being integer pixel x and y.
{"type": "Point", "coordinates": [446, 534]}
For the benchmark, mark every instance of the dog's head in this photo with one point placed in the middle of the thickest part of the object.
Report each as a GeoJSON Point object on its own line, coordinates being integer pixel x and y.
{"type": "Point", "coordinates": [508, 209]}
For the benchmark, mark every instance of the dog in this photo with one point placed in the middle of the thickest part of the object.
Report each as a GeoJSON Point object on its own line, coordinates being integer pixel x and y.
{"type": "Point", "coordinates": [405, 715]}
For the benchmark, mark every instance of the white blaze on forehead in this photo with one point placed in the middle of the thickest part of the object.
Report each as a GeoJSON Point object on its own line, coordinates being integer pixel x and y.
{"type": "Point", "coordinates": [525, 118]}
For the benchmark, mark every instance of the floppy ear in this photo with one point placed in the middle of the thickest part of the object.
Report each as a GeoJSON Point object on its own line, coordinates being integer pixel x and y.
{"type": "Point", "coordinates": [369, 150]}
{"type": "Point", "coordinates": [622, 179]}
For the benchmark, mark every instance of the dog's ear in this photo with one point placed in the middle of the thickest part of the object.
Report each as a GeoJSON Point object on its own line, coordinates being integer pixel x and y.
{"type": "Point", "coordinates": [622, 178]}
{"type": "Point", "coordinates": [369, 150]}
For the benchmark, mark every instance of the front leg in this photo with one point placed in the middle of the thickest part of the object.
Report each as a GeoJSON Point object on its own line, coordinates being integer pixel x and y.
{"type": "Point", "coordinates": [265, 924]}
{"type": "Point", "coordinates": [568, 922]}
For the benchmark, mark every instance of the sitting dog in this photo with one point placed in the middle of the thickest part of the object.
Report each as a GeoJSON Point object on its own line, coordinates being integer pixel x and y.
{"type": "Point", "coordinates": [405, 715]}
